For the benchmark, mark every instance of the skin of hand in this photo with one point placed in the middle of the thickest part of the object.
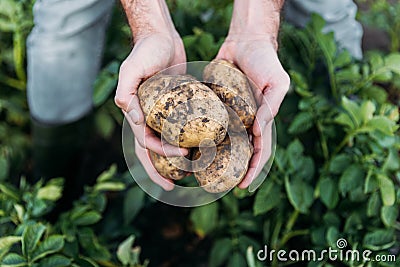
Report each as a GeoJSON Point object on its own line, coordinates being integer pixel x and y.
{"type": "Point", "coordinates": [157, 46]}
{"type": "Point", "coordinates": [251, 45]}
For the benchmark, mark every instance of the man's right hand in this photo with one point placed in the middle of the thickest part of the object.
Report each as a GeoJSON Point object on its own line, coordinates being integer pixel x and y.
{"type": "Point", "coordinates": [150, 55]}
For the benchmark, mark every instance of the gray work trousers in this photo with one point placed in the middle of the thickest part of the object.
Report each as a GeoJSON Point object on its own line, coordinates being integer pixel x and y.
{"type": "Point", "coordinates": [65, 46]}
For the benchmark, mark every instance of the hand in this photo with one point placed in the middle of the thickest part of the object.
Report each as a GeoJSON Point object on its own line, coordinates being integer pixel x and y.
{"type": "Point", "coordinates": [258, 59]}
{"type": "Point", "coordinates": [151, 54]}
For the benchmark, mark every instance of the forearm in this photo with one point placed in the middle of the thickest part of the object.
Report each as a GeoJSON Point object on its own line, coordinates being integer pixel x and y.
{"type": "Point", "coordinates": [147, 17]}
{"type": "Point", "coordinates": [256, 18]}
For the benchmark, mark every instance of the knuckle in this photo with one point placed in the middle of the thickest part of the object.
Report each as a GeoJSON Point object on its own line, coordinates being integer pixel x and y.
{"type": "Point", "coordinates": [120, 102]}
{"type": "Point", "coordinates": [286, 81]}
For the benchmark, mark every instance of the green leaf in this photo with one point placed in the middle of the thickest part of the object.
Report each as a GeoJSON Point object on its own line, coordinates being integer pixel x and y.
{"type": "Point", "coordinates": [342, 60]}
{"type": "Point", "coordinates": [389, 215]}
{"type": "Point", "coordinates": [383, 77]}
{"type": "Point", "coordinates": [88, 218]}
{"type": "Point", "coordinates": [105, 84]}
{"type": "Point", "coordinates": [353, 222]}
{"type": "Point", "coordinates": [329, 192]}
{"type": "Point", "coordinates": [55, 261]}
{"type": "Point", "coordinates": [374, 205]}
{"type": "Point", "coordinates": [345, 120]}
{"type": "Point", "coordinates": [107, 174]}
{"type": "Point", "coordinates": [31, 237]}
{"type": "Point", "coordinates": [109, 186]}
{"type": "Point", "coordinates": [332, 235]}
{"type": "Point", "coordinates": [382, 124]}
{"type": "Point", "coordinates": [351, 179]}
{"type": "Point", "coordinates": [267, 198]}
{"type": "Point", "coordinates": [374, 92]}
{"type": "Point", "coordinates": [13, 260]}
{"type": "Point", "coordinates": [9, 191]}
{"type": "Point", "coordinates": [220, 252]}
{"type": "Point", "coordinates": [300, 194]}
{"type": "Point", "coordinates": [91, 245]}
{"type": "Point", "coordinates": [392, 162]}
{"type": "Point", "coordinates": [353, 110]}
{"type": "Point", "coordinates": [387, 189]}
{"type": "Point", "coordinates": [301, 86]}
{"type": "Point", "coordinates": [105, 124]}
{"type": "Point", "coordinates": [379, 239]}
{"type": "Point", "coordinates": [50, 192]}
{"type": "Point", "coordinates": [301, 123]}
{"type": "Point", "coordinates": [7, 26]}
{"type": "Point", "coordinates": [133, 203]}
{"type": "Point", "coordinates": [339, 163]}
{"type": "Point", "coordinates": [371, 183]}
{"type": "Point", "coordinates": [125, 250]}
{"type": "Point", "coordinates": [392, 62]}
{"type": "Point", "coordinates": [367, 110]}
{"type": "Point", "coordinates": [205, 218]}
{"type": "Point", "coordinates": [50, 245]}
{"type": "Point", "coordinates": [376, 61]}
{"type": "Point", "coordinates": [6, 243]}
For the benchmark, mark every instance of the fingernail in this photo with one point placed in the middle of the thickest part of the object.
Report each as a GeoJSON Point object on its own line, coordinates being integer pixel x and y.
{"type": "Point", "coordinates": [134, 116]}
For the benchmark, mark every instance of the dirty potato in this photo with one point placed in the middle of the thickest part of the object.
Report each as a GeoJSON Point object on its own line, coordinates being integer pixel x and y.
{"type": "Point", "coordinates": [174, 168]}
{"type": "Point", "coordinates": [233, 88]}
{"type": "Point", "coordinates": [183, 110]}
{"type": "Point", "coordinates": [228, 167]}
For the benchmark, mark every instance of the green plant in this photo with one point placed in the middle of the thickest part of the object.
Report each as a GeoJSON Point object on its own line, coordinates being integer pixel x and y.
{"type": "Point", "coordinates": [15, 24]}
{"type": "Point", "coordinates": [28, 239]}
{"type": "Point", "coordinates": [336, 172]}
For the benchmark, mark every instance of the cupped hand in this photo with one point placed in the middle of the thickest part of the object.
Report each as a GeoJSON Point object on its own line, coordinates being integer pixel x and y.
{"type": "Point", "coordinates": [150, 54]}
{"type": "Point", "coordinates": [258, 59]}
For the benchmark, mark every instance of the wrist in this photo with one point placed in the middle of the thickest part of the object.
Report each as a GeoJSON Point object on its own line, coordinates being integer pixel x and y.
{"type": "Point", "coordinates": [256, 19]}
{"type": "Point", "coordinates": [267, 39]}
{"type": "Point", "coordinates": [149, 17]}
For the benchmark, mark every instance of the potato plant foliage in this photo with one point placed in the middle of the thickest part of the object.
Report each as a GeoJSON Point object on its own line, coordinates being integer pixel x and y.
{"type": "Point", "coordinates": [336, 171]}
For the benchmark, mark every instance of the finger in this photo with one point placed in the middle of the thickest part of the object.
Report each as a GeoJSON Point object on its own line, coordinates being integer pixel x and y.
{"type": "Point", "coordinates": [135, 114]}
{"type": "Point", "coordinates": [262, 153]}
{"type": "Point", "coordinates": [263, 116]}
{"type": "Point", "coordinates": [254, 166]}
{"type": "Point", "coordinates": [147, 139]}
{"type": "Point", "coordinates": [144, 158]}
{"type": "Point", "coordinates": [129, 78]}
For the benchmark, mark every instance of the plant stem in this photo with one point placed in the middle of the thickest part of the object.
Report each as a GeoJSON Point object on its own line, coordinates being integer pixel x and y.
{"type": "Point", "coordinates": [14, 83]}
{"type": "Point", "coordinates": [324, 145]}
{"type": "Point", "coordinates": [292, 220]}
{"type": "Point", "coordinates": [342, 144]}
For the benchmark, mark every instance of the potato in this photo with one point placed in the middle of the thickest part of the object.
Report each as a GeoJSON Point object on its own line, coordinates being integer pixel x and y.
{"type": "Point", "coordinates": [183, 110]}
{"type": "Point", "coordinates": [228, 167]}
{"type": "Point", "coordinates": [173, 167]}
{"type": "Point", "coordinates": [233, 88]}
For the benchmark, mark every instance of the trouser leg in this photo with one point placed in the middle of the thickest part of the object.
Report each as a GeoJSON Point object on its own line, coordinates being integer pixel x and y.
{"type": "Point", "coordinates": [64, 54]}
{"type": "Point", "coordinates": [339, 16]}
